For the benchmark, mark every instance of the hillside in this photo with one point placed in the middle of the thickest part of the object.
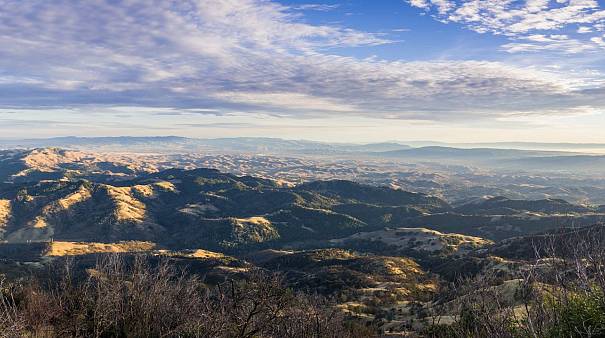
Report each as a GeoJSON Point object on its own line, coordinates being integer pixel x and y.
{"type": "Point", "coordinates": [197, 208]}
{"type": "Point", "coordinates": [413, 242]}
{"type": "Point", "coordinates": [364, 284]}
{"type": "Point", "coordinates": [380, 251]}
{"type": "Point", "coordinates": [505, 206]}
{"type": "Point", "coordinates": [562, 242]}
{"type": "Point", "coordinates": [204, 208]}
{"type": "Point", "coordinates": [32, 165]}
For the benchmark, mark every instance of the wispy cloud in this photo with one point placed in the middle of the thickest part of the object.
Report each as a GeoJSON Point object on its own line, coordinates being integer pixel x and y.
{"type": "Point", "coordinates": [218, 57]}
{"type": "Point", "coordinates": [316, 7]}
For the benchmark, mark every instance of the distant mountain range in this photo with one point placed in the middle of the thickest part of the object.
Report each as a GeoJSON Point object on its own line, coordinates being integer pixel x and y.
{"type": "Point", "coordinates": [544, 158]}
{"type": "Point", "coordinates": [174, 143]}
{"type": "Point", "coordinates": [510, 160]}
{"type": "Point", "coordinates": [482, 154]}
{"type": "Point", "coordinates": [261, 144]}
{"type": "Point", "coordinates": [556, 146]}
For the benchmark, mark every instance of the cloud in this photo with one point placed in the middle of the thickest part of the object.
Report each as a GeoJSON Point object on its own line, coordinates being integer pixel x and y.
{"type": "Point", "coordinates": [513, 17]}
{"type": "Point", "coordinates": [599, 41]}
{"type": "Point", "coordinates": [288, 101]}
{"type": "Point", "coordinates": [520, 19]}
{"type": "Point", "coordinates": [255, 56]}
{"type": "Point", "coordinates": [219, 125]}
{"type": "Point", "coordinates": [316, 7]}
{"type": "Point", "coordinates": [553, 42]}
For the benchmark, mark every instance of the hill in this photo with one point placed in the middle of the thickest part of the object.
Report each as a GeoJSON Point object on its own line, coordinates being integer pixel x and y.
{"type": "Point", "coordinates": [76, 196]}
{"type": "Point", "coordinates": [414, 242]}
{"type": "Point", "coordinates": [40, 164]}
{"type": "Point", "coordinates": [381, 252]}
{"type": "Point", "coordinates": [504, 206]}
{"type": "Point", "coordinates": [364, 284]}
{"type": "Point", "coordinates": [199, 208]}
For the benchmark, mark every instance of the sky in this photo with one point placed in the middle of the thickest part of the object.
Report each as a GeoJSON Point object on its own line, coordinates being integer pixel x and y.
{"type": "Point", "coordinates": [353, 70]}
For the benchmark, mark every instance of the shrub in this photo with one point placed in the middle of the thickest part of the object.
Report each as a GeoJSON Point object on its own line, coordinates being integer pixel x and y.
{"type": "Point", "coordinates": [562, 296]}
{"type": "Point", "coordinates": [120, 298]}
{"type": "Point", "coordinates": [580, 315]}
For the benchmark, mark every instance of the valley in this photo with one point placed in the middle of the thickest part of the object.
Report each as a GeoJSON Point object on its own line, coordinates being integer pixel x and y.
{"type": "Point", "coordinates": [384, 243]}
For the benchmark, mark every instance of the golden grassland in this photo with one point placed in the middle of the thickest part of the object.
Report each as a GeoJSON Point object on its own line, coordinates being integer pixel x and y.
{"type": "Point", "coordinates": [5, 212]}
{"type": "Point", "coordinates": [60, 248]}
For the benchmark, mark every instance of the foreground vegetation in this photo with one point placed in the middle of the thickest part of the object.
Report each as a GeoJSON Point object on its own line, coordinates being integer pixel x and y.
{"type": "Point", "coordinates": [123, 297]}
{"type": "Point", "coordinates": [558, 294]}
{"type": "Point", "coordinates": [561, 294]}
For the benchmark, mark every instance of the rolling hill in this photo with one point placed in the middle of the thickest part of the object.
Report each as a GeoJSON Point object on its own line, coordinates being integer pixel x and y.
{"type": "Point", "coordinates": [196, 208]}
{"type": "Point", "coordinates": [68, 195]}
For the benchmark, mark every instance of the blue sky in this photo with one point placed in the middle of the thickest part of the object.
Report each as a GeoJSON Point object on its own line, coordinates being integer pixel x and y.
{"type": "Point", "coordinates": [417, 36]}
{"type": "Point", "coordinates": [358, 70]}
